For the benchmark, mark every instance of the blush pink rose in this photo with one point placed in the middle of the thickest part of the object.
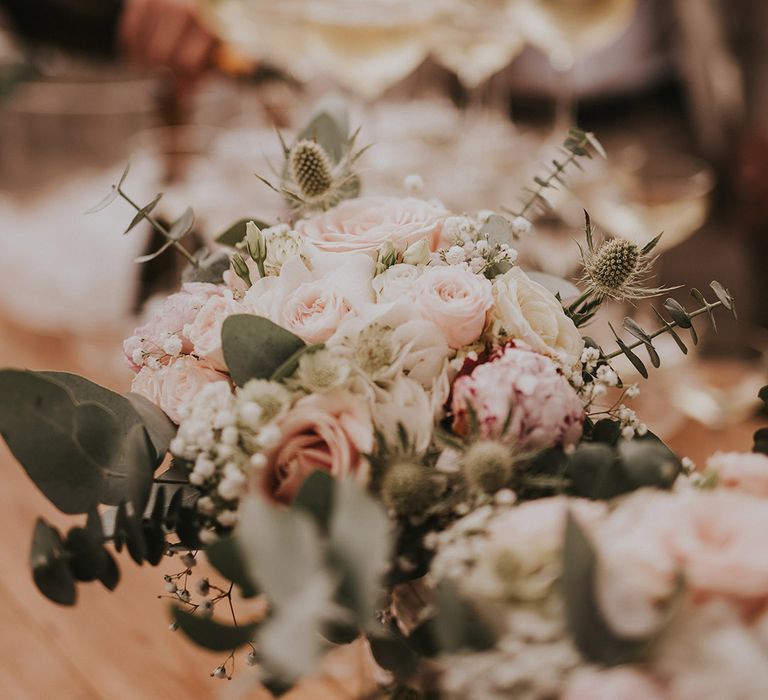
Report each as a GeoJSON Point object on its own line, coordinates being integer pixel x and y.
{"type": "Point", "coordinates": [619, 683]}
{"type": "Point", "coordinates": [519, 397]}
{"type": "Point", "coordinates": [204, 332]}
{"type": "Point", "coordinates": [331, 432]}
{"type": "Point", "coordinates": [314, 311]}
{"type": "Point", "coordinates": [741, 471]}
{"type": "Point", "coordinates": [366, 223]}
{"type": "Point", "coordinates": [173, 386]}
{"type": "Point", "coordinates": [172, 315]}
{"type": "Point", "coordinates": [719, 539]}
{"type": "Point", "coordinates": [456, 300]}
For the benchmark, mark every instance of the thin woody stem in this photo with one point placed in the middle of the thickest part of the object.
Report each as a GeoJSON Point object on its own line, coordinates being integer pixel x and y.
{"type": "Point", "coordinates": [159, 227]}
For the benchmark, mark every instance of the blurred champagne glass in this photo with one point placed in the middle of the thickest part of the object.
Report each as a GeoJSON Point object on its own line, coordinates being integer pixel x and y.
{"type": "Point", "coordinates": [567, 30]}
{"type": "Point", "coordinates": [365, 45]}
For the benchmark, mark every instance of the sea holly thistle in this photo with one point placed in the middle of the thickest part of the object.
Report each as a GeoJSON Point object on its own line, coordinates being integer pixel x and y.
{"type": "Point", "coordinates": [318, 170]}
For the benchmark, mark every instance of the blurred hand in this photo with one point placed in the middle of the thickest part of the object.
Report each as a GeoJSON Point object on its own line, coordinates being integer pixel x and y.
{"type": "Point", "coordinates": [169, 34]}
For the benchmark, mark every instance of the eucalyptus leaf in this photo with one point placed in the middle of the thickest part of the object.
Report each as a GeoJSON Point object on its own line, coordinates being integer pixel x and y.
{"type": "Point", "coordinates": [88, 558]}
{"type": "Point", "coordinates": [648, 462]}
{"type": "Point", "coordinates": [394, 654]}
{"type": "Point", "coordinates": [211, 267]}
{"type": "Point", "coordinates": [595, 471]}
{"type": "Point", "coordinates": [235, 233]}
{"type": "Point", "coordinates": [226, 557]}
{"type": "Point", "coordinates": [210, 634]}
{"type": "Point", "coordinates": [50, 571]}
{"type": "Point", "coordinates": [281, 548]}
{"type": "Point", "coordinates": [589, 630]}
{"type": "Point", "coordinates": [316, 497]}
{"type": "Point", "coordinates": [56, 440]}
{"type": "Point", "coordinates": [288, 367]}
{"type": "Point", "coordinates": [144, 212]}
{"type": "Point", "coordinates": [498, 229]}
{"type": "Point", "coordinates": [159, 427]}
{"type": "Point", "coordinates": [328, 132]}
{"type": "Point", "coordinates": [254, 347]}
{"type": "Point", "coordinates": [678, 313]}
{"type": "Point", "coordinates": [183, 225]}
{"type": "Point", "coordinates": [360, 546]}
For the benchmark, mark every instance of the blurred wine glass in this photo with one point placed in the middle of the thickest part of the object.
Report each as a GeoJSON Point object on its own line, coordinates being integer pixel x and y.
{"type": "Point", "coordinates": [567, 31]}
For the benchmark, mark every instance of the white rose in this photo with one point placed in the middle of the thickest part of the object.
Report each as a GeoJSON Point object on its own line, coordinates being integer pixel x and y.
{"type": "Point", "coordinates": [396, 282]}
{"type": "Point", "coordinates": [456, 300]}
{"type": "Point", "coordinates": [312, 300]}
{"type": "Point", "coordinates": [525, 310]}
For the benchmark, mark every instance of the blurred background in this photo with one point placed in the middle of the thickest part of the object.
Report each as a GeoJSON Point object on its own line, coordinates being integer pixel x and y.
{"type": "Point", "coordinates": [471, 95]}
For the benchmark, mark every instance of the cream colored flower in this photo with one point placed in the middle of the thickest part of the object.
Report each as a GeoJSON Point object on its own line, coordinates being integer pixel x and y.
{"type": "Point", "coordinates": [525, 310]}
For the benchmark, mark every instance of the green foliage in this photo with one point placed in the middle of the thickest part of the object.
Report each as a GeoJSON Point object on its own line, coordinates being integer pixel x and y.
{"type": "Point", "coordinates": [680, 318]}
{"type": "Point", "coordinates": [226, 557]}
{"type": "Point", "coordinates": [578, 144]}
{"type": "Point", "coordinates": [255, 347]}
{"type": "Point", "coordinates": [589, 630]}
{"type": "Point", "coordinates": [50, 570]}
{"type": "Point", "coordinates": [207, 267]}
{"type": "Point", "coordinates": [609, 466]}
{"type": "Point", "coordinates": [235, 233]}
{"type": "Point", "coordinates": [320, 564]}
{"type": "Point", "coordinates": [213, 635]}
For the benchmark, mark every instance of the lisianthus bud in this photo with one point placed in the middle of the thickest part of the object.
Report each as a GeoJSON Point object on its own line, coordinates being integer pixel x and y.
{"type": "Point", "coordinates": [255, 242]}
{"type": "Point", "coordinates": [417, 253]}
{"type": "Point", "coordinates": [488, 465]}
{"type": "Point", "coordinates": [241, 268]}
{"type": "Point", "coordinates": [311, 168]}
{"type": "Point", "coordinates": [386, 258]}
{"type": "Point", "coordinates": [407, 488]}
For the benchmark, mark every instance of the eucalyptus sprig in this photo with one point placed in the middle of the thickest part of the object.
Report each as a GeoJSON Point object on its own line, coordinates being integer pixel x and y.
{"type": "Point", "coordinates": [173, 235]}
{"type": "Point", "coordinates": [680, 318]}
{"type": "Point", "coordinates": [578, 144]}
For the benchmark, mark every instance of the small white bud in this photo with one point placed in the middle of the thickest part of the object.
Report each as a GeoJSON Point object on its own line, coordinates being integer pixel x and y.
{"type": "Point", "coordinates": [172, 346]}
{"type": "Point", "coordinates": [219, 672]}
{"type": "Point", "coordinates": [258, 461]}
{"type": "Point", "coordinates": [188, 560]}
{"type": "Point", "coordinates": [521, 226]}
{"type": "Point", "coordinates": [270, 437]}
{"type": "Point", "coordinates": [454, 255]}
{"type": "Point", "coordinates": [170, 586]}
{"type": "Point", "coordinates": [137, 357]}
{"type": "Point", "coordinates": [251, 658]}
{"type": "Point", "coordinates": [413, 184]}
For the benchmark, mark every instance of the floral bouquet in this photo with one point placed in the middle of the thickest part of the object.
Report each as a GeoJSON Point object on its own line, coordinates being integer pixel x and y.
{"type": "Point", "coordinates": [372, 422]}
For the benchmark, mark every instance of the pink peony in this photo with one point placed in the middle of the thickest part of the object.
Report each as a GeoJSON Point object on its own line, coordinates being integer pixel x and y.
{"type": "Point", "coordinates": [525, 391]}
{"type": "Point", "coordinates": [173, 386]}
{"type": "Point", "coordinates": [456, 300]}
{"type": "Point", "coordinates": [331, 432]}
{"type": "Point", "coordinates": [365, 224]}
{"type": "Point", "coordinates": [174, 313]}
{"type": "Point", "coordinates": [204, 332]}
{"type": "Point", "coordinates": [619, 683]}
{"type": "Point", "coordinates": [741, 471]}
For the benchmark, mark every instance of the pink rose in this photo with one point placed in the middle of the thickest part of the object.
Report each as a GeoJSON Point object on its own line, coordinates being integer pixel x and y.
{"type": "Point", "coordinates": [173, 386]}
{"type": "Point", "coordinates": [619, 683]}
{"type": "Point", "coordinates": [331, 432]}
{"type": "Point", "coordinates": [172, 315]}
{"type": "Point", "coordinates": [314, 311]}
{"type": "Point", "coordinates": [719, 539]}
{"type": "Point", "coordinates": [204, 332]}
{"type": "Point", "coordinates": [523, 391]}
{"type": "Point", "coordinates": [741, 471]}
{"type": "Point", "coordinates": [366, 223]}
{"type": "Point", "coordinates": [456, 300]}
{"type": "Point", "coordinates": [637, 571]}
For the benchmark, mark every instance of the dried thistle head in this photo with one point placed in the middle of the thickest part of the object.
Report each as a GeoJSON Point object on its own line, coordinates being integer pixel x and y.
{"type": "Point", "coordinates": [313, 180]}
{"type": "Point", "coordinates": [618, 268]}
